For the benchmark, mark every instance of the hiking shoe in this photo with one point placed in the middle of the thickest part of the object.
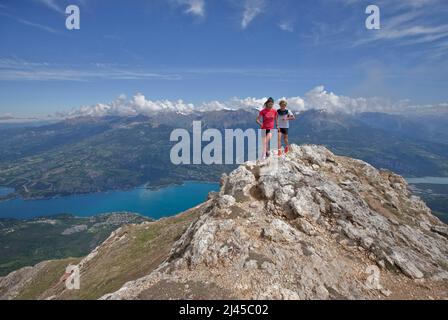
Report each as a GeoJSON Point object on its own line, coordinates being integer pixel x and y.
{"type": "Point", "coordinates": [286, 149]}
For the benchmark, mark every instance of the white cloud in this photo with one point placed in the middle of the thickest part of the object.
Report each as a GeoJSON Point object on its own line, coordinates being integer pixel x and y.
{"type": "Point", "coordinates": [30, 23]}
{"type": "Point", "coordinates": [396, 3]}
{"type": "Point", "coordinates": [52, 4]}
{"type": "Point", "coordinates": [414, 31]}
{"type": "Point", "coordinates": [418, 3]}
{"type": "Point", "coordinates": [16, 69]}
{"type": "Point", "coordinates": [252, 8]}
{"type": "Point", "coordinates": [286, 26]}
{"type": "Point", "coordinates": [317, 98]}
{"type": "Point", "coordinates": [409, 22]}
{"type": "Point", "coordinates": [138, 105]}
{"type": "Point", "coordinates": [194, 7]}
{"type": "Point", "coordinates": [233, 104]}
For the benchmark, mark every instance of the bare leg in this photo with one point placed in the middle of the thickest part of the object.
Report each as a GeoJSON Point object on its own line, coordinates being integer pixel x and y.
{"type": "Point", "coordinates": [279, 140]}
{"type": "Point", "coordinates": [286, 138]}
{"type": "Point", "coordinates": [268, 140]}
{"type": "Point", "coordinates": [265, 136]}
{"type": "Point", "coordinates": [279, 145]}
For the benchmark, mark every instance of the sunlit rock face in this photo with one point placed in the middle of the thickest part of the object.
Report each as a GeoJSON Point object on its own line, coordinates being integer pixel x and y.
{"type": "Point", "coordinates": [309, 225]}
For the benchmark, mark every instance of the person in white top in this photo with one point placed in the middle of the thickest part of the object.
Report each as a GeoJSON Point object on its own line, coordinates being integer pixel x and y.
{"type": "Point", "coordinates": [284, 116]}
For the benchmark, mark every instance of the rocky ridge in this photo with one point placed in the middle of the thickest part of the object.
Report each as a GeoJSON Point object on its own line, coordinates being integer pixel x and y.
{"type": "Point", "coordinates": [311, 225]}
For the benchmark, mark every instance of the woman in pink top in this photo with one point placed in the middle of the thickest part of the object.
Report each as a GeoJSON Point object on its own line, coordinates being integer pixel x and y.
{"type": "Point", "coordinates": [267, 119]}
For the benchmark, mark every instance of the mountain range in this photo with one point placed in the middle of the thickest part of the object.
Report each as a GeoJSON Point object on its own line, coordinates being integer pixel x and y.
{"type": "Point", "coordinates": [89, 154]}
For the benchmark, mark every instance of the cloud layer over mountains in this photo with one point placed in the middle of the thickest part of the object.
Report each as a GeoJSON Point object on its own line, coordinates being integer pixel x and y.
{"type": "Point", "coordinates": [317, 98]}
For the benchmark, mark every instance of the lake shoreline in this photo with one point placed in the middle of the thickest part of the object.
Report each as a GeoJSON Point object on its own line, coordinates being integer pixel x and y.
{"type": "Point", "coordinates": [69, 215]}
{"type": "Point", "coordinates": [426, 180]}
{"type": "Point", "coordinates": [157, 186]}
{"type": "Point", "coordinates": [165, 201]}
{"type": "Point", "coordinates": [16, 195]}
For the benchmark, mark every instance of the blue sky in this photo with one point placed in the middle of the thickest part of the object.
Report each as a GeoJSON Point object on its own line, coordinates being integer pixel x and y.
{"type": "Point", "coordinates": [203, 50]}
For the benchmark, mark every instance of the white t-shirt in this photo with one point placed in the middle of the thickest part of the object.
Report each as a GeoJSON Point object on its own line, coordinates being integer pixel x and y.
{"type": "Point", "coordinates": [283, 121]}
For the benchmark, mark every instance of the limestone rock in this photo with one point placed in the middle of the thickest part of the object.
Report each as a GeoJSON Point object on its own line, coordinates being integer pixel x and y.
{"type": "Point", "coordinates": [306, 226]}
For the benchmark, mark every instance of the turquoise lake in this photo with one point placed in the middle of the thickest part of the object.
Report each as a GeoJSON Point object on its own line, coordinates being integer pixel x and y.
{"type": "Point", "coordinates": [5, 191]}
{"type": "Point", "coordinates": [158, 203]}
{"type": "Point", "coordinates": [428, 180]}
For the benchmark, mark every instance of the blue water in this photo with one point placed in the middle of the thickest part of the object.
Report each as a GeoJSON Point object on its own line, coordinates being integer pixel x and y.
{"type": "Point", "coordinates": [428, 180]}
{"type": "Point", "coordinates": [5, 191]}
{"type": "Point", "coordinates": [152, 203]}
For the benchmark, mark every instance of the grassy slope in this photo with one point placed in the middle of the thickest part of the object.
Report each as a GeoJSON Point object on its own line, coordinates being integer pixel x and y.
{"type": "Point", "coordinates": [33, 241]}
{"type": "Point", "coordinates": [47, 277]}
{"type": "Point", "coordinates": [142, 249]}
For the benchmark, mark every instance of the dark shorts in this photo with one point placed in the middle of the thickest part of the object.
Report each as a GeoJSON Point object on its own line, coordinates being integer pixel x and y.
{"type": "Point", "coordinates": [284, 131]}
{"type": "Point", "coordinates": [267, 131]}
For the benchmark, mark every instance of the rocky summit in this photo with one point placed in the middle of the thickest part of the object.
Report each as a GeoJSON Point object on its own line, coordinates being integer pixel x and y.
{"type": "Point", "coordinates": [310, 225]}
